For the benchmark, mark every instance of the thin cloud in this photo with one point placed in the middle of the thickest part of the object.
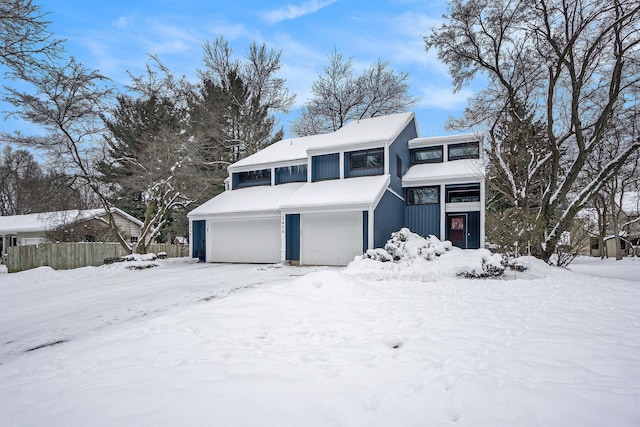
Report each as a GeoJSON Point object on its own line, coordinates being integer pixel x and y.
{"type": "Point", "coordinates": [292, 11]}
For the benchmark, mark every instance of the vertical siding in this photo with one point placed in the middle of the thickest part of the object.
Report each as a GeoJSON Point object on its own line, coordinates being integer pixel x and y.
{"type": "Point", "coordinates": [401, 147]}
{"type": "Point", "coordinates": [199, 239]}
{"type": "Point", "coordinates": [423, 219]}
{"type": "Point", "coordinates": [387, 218]}
{"type": "Point", "coordinates": [365, 231]}
{"type": "Point", "coordinates": [473, 230]}
{"type": "Point", "coordinates": [293, 237]}
{"type": "Point", "coordinates": [324, 167]}
{"type": "Point", "coordinates": [296, 173]}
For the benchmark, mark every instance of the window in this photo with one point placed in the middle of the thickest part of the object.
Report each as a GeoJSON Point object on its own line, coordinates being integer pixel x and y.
{"type": "Point", "coordinates": [463, 193]}
{"type": "Point", "coordinates": [296, 173]}
{"type": "Point", "coordinates": [398, 166]}
{"type": "Point", "coordinates": [467, 150]}
{"type": "Point", "coordinates": [428, 155]}
{"type": "Point", "coordinates": [134, 239]}
{"type": "Point", "coordinates": [367, 159]}
{"type": "Point", "coordinates": [423, 196]}
{"type": "Point", "coordinates": [258, 177]}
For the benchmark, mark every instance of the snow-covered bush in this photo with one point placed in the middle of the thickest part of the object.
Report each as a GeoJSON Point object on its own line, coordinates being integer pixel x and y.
{"type": "Point", "coordinates": [406, 245]}
{"type": "Point", "coordinates": [134, 261]}
{"type": "Point", "coordinates": [408, 255]}
{"type": "Point", "coordinates": [491, 265]}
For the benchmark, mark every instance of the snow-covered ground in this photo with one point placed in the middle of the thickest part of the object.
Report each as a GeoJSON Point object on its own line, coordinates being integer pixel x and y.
{"type": "Point", "coordinates": [246, 345]}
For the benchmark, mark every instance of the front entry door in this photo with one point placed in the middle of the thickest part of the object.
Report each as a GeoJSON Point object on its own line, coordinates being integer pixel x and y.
{"type": "Point", "coordinates": [457, 230]}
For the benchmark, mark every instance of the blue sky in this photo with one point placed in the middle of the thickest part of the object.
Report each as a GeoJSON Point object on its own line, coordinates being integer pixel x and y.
{"type": "Point", "coordinates": [116, 36]}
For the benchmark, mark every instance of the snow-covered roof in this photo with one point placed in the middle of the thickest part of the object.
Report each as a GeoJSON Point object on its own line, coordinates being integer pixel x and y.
{"type": "Point", "coordinates": [260, 199]}
{"type": "Point", "coordinates": [454, 171]}
{"type": "Point", "coordinates": [38, 222]}
{"type": "Point", "coordinates": [337, 194]}
{"type": "Point", "coordinates": [447, 139]}
{"type": "Point", "coordinates": [383, 129]}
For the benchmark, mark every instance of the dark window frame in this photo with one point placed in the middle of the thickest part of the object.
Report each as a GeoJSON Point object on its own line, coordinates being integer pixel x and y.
{"type": "Point", "coordinates": [434, 149]}
{"type": "Point", "coordinates": [254, 177]}
{"type": "Point", "coordinates": [398, 167]}
{"type": "Point", "coordinates": [366, 153]}
{"type": "Point", "coordinates": [463, 191]}
{"type": "Point", "coordinates": [464, 146]}
{"type": "Point", "coordinates": [410, 199]}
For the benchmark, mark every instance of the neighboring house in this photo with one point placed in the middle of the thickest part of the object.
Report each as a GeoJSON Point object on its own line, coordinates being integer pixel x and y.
{"type": "Point", "coordinates": [629, 222]}
{"type": "Point", "coordinates": [323, 199]}
{"type": "Point", "coordinates": [71, 225]}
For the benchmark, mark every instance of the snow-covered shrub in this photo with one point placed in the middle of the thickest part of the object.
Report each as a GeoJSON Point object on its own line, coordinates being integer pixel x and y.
{"type": "Point", "coordinates": [510, 261]}
{"type": "Point", "coordinates": [406, 245]}
{"type": "Point", "coordinates": [491, 266]}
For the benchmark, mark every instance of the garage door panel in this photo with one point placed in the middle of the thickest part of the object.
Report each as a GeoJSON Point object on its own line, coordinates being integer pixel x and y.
{"type": "Point", "coordinates": [244, 241]}
{"type": "Point", "coordinates": [331, 239]}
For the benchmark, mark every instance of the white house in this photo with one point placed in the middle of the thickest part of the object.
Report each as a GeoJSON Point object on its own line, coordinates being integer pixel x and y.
{"type": "Point", "coordinates": [33, 229]}
{"type": "Point", "coordinates": [323, 199]}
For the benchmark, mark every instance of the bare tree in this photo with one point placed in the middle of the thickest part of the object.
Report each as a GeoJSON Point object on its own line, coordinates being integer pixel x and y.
{"type": "Point", "coordinates": [340, 95]}
{"type": "Point", "coordinates": [256, 92]}
{"type": "Point", "coordinates": [24, 36]}
{"type": "Point", "coordinates": [67, 102]}
{"type": "Point", "coordinates": [573, 65]}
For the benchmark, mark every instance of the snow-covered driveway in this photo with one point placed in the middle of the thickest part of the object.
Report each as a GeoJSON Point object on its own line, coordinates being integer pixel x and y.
{"type": "Point", "coordinates": [44, 306]}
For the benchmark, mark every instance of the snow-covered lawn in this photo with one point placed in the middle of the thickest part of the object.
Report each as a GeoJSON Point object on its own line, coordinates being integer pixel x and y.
{"type": "Point", "coordinates": [202, 344]}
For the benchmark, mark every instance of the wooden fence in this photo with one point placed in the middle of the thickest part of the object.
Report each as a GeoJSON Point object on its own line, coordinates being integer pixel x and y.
{"type": "Point", "coordinates": [63, 256]}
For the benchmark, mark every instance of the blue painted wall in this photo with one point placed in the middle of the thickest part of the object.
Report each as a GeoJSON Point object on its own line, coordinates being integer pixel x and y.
{"type": "Point", "coordinates": [199, 239]}
{"type": "Point", "coordinates": [348, 173]}
{"type": "Point", "coordinates": [423, 219]}
{"type": "Point", "coordinates": [292, 224]}
{"type": "Point", "coordinates": [387, 218]}
{"type": "Point", "coordinates": [326, 166]}
{"type": "Point", "coordinates": [296, 173]}
{"type": "Point", "coordinates": [401, 147]}
{"type": "Point", "coordinates": [365, 231]}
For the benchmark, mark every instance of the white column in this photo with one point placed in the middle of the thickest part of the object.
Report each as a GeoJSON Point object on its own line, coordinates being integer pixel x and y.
{"type": "Point", "coordinates": [341, 163]}
{"type": "Point", "coordinates": [370, 239]}
{"type": "Point", "coordinates": [283, 237]}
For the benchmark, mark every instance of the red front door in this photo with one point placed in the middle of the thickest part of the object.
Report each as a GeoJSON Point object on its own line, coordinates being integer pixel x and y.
{"type": "Point", "coordinates": [457, 228]}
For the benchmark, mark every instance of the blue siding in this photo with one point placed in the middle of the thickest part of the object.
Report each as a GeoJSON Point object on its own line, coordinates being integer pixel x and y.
{"type": "Point", "coordinates": [324, 167]}
{"type": "Point", "coordinates": [423, 219]}
{"type": "Point", "coordinates": [400, 147]}
{"type": "Point", "coordinates": [296, 173]}
{"type": "Point", "coordinates": [199, 239]}
{"type": "Point", "coordinates": [365, 231]}
{"type": "Point", "coordinates": [293, 237]}
{"type": "Point", "coordinates": [387, 218]}
{"type": "Point", "coordinates": [348, 173]}
{"type": "Point", "coordinates": [473, 230]}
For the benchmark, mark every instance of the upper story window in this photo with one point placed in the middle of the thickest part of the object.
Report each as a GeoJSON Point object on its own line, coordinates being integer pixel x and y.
{"type": "Point", "coordinates": [367, 159]}
{"type": "Point", "coordinates": [428, 155]}
{"type": "Point", "coordinates": [467, 150]}
{"type": "Point", "coordinates": [296, 173]}
{"type": "Point", "coordinates": [462, 193]}
{"type": "Point", "coordinates": [257, 177]}
{"type": "Point", "coordinates": [423, 195]}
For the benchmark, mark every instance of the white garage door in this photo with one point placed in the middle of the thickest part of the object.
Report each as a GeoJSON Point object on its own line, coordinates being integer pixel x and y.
{"type": "Point", "coordinates": [330, 239]}
{"type": "Point", "coordinates": [245, 241]}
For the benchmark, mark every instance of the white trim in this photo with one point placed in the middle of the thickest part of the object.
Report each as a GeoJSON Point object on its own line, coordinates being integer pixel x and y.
{"type": "Point", "coordinates": [283, 237]}
{"type": "Point", "coordinates": [392, 191]}
{"type": "Point", "coordinates": [236, 215]}
{"type": "Point", "coordinates": [447, 139]}
{"type": "Point", "coordinates": [348, 147]}
{"type": "Point", "coordinates": [341, 164]}
{"type": "Point", "coordinates": [463, 207]}
{"type": "Point", "coordinates": [271, 165]}
{"type": "Point", "coordinates": [370, 229]}
{"type": "Point", "coordinates": [327, 209]}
